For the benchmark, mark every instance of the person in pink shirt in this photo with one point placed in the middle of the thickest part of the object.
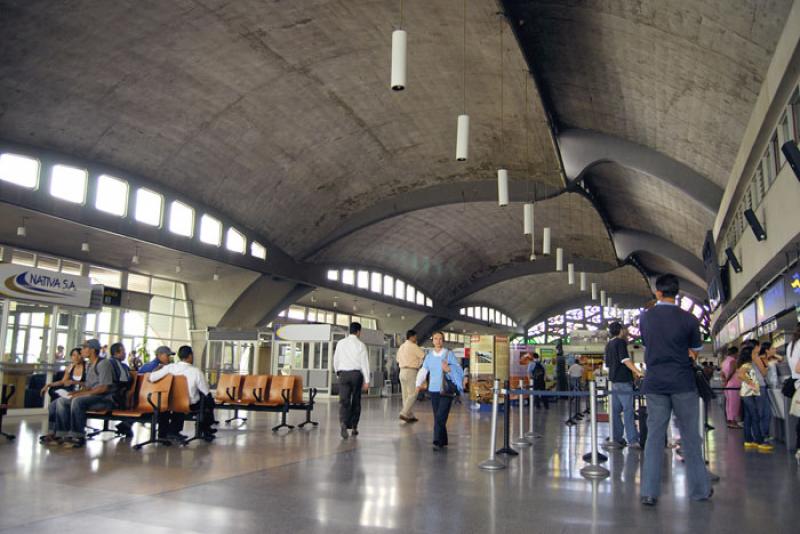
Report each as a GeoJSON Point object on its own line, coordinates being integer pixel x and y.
{"type": "Point", "coordinates": [733, 402]}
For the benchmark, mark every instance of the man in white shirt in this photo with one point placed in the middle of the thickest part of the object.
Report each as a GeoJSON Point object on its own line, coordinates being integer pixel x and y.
{"type": "Point", "coordinates": [351, 365]}
{"type": "Point", "coordinates": [575, 373]}
{"type": "Point", "coordinates": [409, 358]}
{"type": "Point", "coordinates": [197, 384]}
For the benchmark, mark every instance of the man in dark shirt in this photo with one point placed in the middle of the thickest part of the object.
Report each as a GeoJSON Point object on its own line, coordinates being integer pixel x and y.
{"type": "Point", "coordinates": [672, 339]}
{"type": "Point", "coordinates": [621, 372]}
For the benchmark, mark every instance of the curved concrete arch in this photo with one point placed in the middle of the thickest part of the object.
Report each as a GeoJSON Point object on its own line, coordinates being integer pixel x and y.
{"type": "Point", "coordinates": [544, 264]}
{"type": "Point", "coordinates": [430, 197]}
{"type": "Point", "coordinates": [582, 149]}
{"type": "Point", "coordinates": [687, 265]}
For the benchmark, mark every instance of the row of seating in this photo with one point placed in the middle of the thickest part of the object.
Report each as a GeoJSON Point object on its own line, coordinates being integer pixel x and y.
{"type": "Point", "coordinates": [265, 393]}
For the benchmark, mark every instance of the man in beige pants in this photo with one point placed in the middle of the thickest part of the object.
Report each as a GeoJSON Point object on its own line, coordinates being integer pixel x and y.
{"type": "Point", "coordinates": [409, 358]}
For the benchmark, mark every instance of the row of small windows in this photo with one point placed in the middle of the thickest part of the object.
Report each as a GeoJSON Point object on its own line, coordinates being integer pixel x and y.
{"type": "Point", "coordinates": [767, 169]}
{"type": "Point", "coordinates": [483, 313]}
{"type": "Point", "coordinates": [71, 184]}
{"type": "Point", "coordinates": [380, 283]}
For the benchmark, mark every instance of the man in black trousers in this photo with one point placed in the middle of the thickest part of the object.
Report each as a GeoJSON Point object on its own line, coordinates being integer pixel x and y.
{"type": "Point", "coordinates": [351, 364]}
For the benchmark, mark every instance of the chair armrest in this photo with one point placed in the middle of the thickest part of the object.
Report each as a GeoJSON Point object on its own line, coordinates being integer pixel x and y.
{"type": "Point", "coordinates": [157, 406]}
{"type": "Point", "coordinates": [6, 398]}
{"type": "Point", "coordinates": [231, 396]}
{"type": "Point", "coordinates": [258, 393]}
{"type": "Point", "coordinates": [285, 395]}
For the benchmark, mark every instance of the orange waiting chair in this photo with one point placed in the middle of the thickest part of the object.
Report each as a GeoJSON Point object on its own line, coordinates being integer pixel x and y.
{"type": "Point", "coordinates": [260, 393]}
{"type": "Point", "coordinates": [179, 402]}
{"type": "Point", "coordinates": [105, 415]}
{"type": "Point", "coordinates": [296, 401]}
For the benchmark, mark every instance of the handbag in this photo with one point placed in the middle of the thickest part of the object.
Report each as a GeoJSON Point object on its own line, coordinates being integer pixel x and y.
{"type": "Point", "coordinates": [788, 389]}
{"type": "Point", "coordinates": [449, 388]}
{"type": "Point", "coordinates": [703, 387]}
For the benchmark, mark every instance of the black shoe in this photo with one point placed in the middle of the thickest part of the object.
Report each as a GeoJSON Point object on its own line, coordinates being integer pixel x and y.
{"type": "Point", "coordinates": [709, 427]}
{"type": "Point", "coordinates": [649, 501]}
{"type": "Point", "coordinates": [355, 431]}
{"type": "Point", "coordinates": [343, 432]}
{"type": "Point", "coordinates": [708, 498]}
{"type": "Point", "coordinates": [437, 447]}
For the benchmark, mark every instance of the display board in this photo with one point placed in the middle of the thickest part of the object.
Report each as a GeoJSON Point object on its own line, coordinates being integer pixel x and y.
{"type": "Point", "coordinates": [771, 302]}
{"type": "Point", "coordinates": [39, 285]}
{"type": "Point", "coordinates": [502, 358]}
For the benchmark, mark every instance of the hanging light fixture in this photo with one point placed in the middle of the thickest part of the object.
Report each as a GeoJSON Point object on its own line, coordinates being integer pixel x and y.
{"type": "Point", "coordinates": [21, 230]}
{"type": "Point", "coordinates": [178, 268]}
{"type": "Point", "coordinates": [502, 174]}
{"type": "Point", "coordinates": [502, 187]}
{"type": "Point", "coordinates": [216, 279]}
{"type": "Point", "coordinates": [85, 247]}
{"type": "Point", "coordinates": [571, 273]}
{"type": "Point", "coordinates": [594, 290]}
{"type": "Point", "coordinates": [462, 134]}
{"type": "Point", "coordinates": [546, 241]}
{"type": "Point", "coordinates": [559, 259]}
{"type": "Point", "coordinates": [527, 219]}
{"type": "Point", "coordinates": [399, 51]}
{"type": "Point", "coordinates": [584, 282]}
{"type": "Point", "coordinates": [603, 298]}
{"type": "Point", "coordinates": [533, 247]}
{"type": "Point", "coordinates": [610, 303]}
{"type": "Point", "coordinates": [135, 258]}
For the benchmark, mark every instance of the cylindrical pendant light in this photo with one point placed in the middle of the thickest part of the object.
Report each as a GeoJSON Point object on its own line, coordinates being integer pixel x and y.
{"type": "Point", "coordinates": [533, 247]}
{"type": "Point", "coordinates": [546, 241]}
{"type": "Point", "coordinates": [610, 304]}
{"type": "Point", "coordinates": [462, 139]}
{"type": "Point", "coordinates": [559, 259]}
{"type": "Point", "coordinates": [527, 220]}
{"type": "Point", "coordinates": [602, 298]}
{"type": "Point", "coordinates": [594, 290]}
{"type": "Point", "coordinates": [502, 187]}
{"type": "Point", "coordinates": [571, 273]}
{"type": "Point", "coordinates": [584, 282]}
{"type": "Point", "coordinates": [399, 45]}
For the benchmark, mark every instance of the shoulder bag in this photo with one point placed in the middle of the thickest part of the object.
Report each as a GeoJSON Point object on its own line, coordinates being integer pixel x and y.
{"type": "Point", "coordinates": [449, 388]}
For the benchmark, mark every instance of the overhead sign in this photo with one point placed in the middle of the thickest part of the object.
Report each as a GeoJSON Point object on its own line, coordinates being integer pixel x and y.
{"type": "Point", "coordinates": [305, 332]}
{"type": "Point", "coordinates": [28, 283]}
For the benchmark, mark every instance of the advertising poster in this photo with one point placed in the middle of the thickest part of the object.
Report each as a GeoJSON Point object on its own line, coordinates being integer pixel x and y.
{"type": "Point", "coordinates": [548, 357]}
{"type": "Point", "coordinates": [502, 358]}
{"type": "Point", "coordinates": [481, 352]}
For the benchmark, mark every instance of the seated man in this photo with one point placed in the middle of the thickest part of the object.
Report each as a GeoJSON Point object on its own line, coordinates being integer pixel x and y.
{"type": "Point", "coordinates": [162, 358]}
{"type": "Point", "coordinates": [198, 386]}
{"type": "Point", "coordinates": [122, 375]}
{"type": "Point", "coordinates": [70, 427]}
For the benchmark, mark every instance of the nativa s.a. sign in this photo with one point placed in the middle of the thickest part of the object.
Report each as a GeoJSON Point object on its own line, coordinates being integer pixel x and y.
{"type": "Point", "coordinates": [27, 283]}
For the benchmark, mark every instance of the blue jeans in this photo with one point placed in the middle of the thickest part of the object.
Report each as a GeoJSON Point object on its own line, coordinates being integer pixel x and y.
{"type": "Point", "coordinates": [623, 404]}
{"type": "Point", "coordinates": [752, 420]}
{"type": "Point", "coordinates": [659, 411]}
{"type": "Point", "coordinates": [71, 413]}
{"type": "Point", "coordinates": [441, 410]}
{"type": "Point", "coordinates": [764, 412]}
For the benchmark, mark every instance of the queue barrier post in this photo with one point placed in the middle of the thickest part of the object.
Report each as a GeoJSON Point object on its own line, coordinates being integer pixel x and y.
{"type": "Point", "coordinates": [530, 433]}
{"type": "Point", "coordinates": [701, 427]}
{"type": "Point", "coordinates": [594, 470]}
{"type": "Point", "coordinates": [521, 440]}
{"type": "Point", "coordinates": [492, 463]}
{"type": "Point", "coordinates": [507, 450]}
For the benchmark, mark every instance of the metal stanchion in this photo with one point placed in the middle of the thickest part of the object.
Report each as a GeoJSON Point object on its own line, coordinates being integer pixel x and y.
{"type": "Point", "coordinates": [521, 440]}
{"type": "Point", "coordinates": [531, 433]}
{"type": "Point", "coordinates": [594, 470]}
{"type": "Point", "coordinates": [507, 424]}
{"type": "Point", "coordinates": [492, 463]}
{"type": "Point", "coordinates": [701, 418]}
{"type": "Point", "coordinates": [611, 443]}
{"type": "Point", "coordinates": [570, 421]}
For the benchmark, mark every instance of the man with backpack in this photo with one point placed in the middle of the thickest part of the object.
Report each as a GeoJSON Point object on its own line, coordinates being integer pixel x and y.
{"type": "Point", "coordinates": [537, 372]}
{"type": "Point", "coordinates": [70, 427]}
{"type": "Point", "coordinates": [622, 372]}
{"type": "Point", "coordinates": [122, 385]}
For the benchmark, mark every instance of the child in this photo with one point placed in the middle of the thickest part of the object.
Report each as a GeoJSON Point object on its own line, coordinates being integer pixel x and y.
{"type": "Point", "coordinates": [750, 391]}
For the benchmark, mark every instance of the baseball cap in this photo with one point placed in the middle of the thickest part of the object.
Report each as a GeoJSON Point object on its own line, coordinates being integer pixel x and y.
{"type": "Point", "coordinates": [92, 344]}
{"type": "Point", "coordinates": [163, 349]}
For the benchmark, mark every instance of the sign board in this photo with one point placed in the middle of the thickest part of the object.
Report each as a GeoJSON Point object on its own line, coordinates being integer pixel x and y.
{"type": "Point", "coordinates": [502, 357]}
{"type": "Point", "coordinates": [112, 297]}
{"type": "Point", "coordinates": [28, 283]}
{"type": "Point", "coordinates": [305, 332]}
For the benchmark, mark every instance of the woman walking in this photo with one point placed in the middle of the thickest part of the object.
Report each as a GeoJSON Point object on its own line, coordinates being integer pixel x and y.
{"type": "Point", "coordinates": [730, 380]}
{"type": "Point", "coordinates": [445, 382]}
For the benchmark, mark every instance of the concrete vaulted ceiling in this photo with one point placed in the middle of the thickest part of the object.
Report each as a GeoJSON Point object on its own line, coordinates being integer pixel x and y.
{"type": "Point", "coordinates": [676, 78]}
{"type": "Point", "coordinates": [279, 115]}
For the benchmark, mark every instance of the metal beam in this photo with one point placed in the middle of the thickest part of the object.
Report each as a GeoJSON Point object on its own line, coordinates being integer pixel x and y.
{"type": "Point", "coordinates": [428, 325]}
{"type": "Point", "coordinates": [582, 149]}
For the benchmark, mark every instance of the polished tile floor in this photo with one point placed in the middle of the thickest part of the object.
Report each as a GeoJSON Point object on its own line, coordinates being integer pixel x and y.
{"type": "Point", "coordinates": [386, 479]}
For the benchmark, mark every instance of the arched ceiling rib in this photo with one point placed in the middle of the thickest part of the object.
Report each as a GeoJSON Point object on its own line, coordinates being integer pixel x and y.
{"type": "Point", "coordinates": [527, 297]}
{"type": "Point", "coordinates": [446, 248]}
{"type": "Point", "coordinates": [278, 114]}
{"type": "Point", "coordinates": [636, 201]}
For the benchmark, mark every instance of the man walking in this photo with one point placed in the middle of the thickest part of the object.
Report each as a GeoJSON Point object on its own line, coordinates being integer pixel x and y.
{"type": "Point", "coordinates": [621, 372]}
{"type": "Point", "coordinates": [537, 372]}
{"type": "Point", "coordinates": [351, 365]}
{"type": "Point", "coordinates": [409, 358]}
{"type": "Point", "coordinates": [672, 338]}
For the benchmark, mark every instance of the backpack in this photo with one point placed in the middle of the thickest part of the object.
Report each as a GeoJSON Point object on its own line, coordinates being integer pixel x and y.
{"type": "Point", "coordinates": [538, 372]}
